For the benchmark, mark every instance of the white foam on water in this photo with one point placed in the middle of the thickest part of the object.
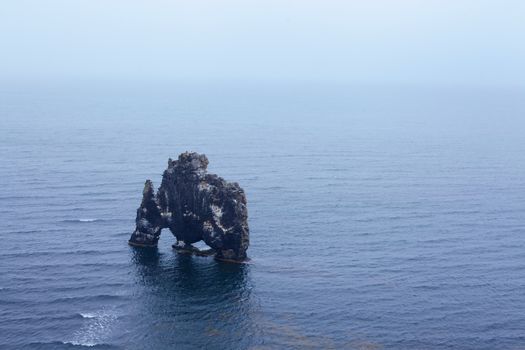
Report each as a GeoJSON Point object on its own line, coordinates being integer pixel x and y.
{"type": "Point", "coordinates": [96, 328]}
{"type": "Point", "coordinates": [78, 344]}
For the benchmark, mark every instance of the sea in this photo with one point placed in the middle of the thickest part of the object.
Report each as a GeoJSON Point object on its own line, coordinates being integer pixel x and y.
{"type": "Point", "coordinates": [381, 217]}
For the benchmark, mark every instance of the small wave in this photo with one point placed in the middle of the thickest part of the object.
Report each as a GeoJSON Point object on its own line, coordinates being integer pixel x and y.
{"type": "Point", "coordinates": [65, 345]}
{"type": "Point", "coordinates": [76, 343]}
{"type": "Point", "coordinates": [82, 220]}
{"type": "Point", "coordinates": [86, 298]}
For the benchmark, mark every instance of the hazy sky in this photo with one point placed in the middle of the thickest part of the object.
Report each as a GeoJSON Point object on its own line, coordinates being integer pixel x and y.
{"type": "Point", "coordinates": [472, 42]}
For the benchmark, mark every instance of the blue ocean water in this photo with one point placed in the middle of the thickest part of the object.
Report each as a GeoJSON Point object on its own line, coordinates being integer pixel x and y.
{"type": "Point", "coordinates": [380, 217]}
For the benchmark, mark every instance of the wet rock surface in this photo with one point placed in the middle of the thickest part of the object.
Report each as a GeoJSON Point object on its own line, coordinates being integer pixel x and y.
{"type": "Point", "coordinates": [194, 206]}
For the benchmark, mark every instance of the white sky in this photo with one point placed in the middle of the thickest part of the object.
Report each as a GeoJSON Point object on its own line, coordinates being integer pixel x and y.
{"type": "Point", "coordinates": [467, 42]}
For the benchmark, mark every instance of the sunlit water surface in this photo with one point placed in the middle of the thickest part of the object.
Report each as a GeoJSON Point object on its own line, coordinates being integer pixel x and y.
{"type": "Point", "coordinates": [380, 217]}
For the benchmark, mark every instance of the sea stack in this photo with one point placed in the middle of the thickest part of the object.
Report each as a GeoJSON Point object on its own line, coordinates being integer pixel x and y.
{"type": "Point", "coordinates": [195, 206]}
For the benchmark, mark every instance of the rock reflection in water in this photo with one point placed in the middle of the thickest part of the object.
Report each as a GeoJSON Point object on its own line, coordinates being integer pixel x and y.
{"type": "Point", "coordinates": [186, 295]}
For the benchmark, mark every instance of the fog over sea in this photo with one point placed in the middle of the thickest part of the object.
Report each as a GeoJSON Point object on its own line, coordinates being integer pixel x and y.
{"type": "Point", "coordinates": [381, 217]}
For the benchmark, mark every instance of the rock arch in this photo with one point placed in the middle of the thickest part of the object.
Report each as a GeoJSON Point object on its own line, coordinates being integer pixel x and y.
{"type": "Point", "coordinates": [194, 206]}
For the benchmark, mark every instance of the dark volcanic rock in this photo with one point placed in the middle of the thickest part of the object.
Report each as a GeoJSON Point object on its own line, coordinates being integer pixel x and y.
{"type": "Point", "coordinates": [195, 206]}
